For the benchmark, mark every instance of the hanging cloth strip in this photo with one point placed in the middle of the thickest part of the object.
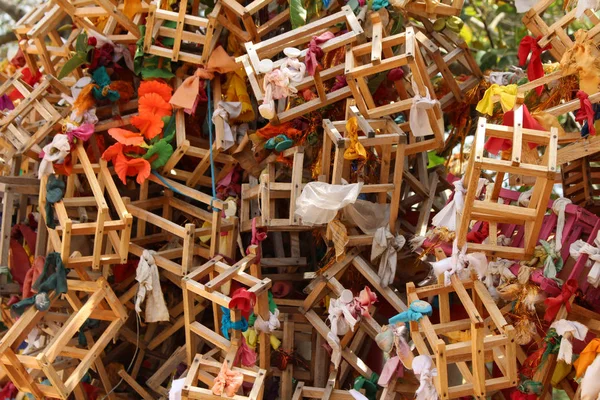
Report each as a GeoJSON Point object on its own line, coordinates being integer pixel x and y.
{"type": "Point", "coordinates": [149, 289]}
{"type": "Point", "coordinates": [54, 152]}
{"type": "Point", "coordinates": [585, 114]}
{"type": "Point", "coordinates": [257, 237]}
{"type": "Point", "coordinates": [267, 326]}
{"type": "Point", "coordinates": [236, 91]}
{"type": "Point", "coordinates": [508, 98]}
{"type": "Point", "coordinates": [55, 190]}
{"type": "Point", "coordinates": [553, 304]}
{"type": "Point", "coordinates": [460, 263]}
{"type": "Point", "coordinates": [535, 70]}
{"type": "Point", "coordinates": [424, 368]}
{"type": "Point", "coordinates": [355, 150]}
{"type": "Point", "coordinates": [314, 52]}
{"type": "Point", "coordinates": [187, 94]}
{"type": "Point", "coordinates": [242, 300]}
{"type": "Point", "coordinates": [227, 323]}
{"type": "Point", "coordinates": [227, 110]}
{"type": "Point", "coordinates": [551, 259]}
{"type": "Point", "coordinates": [587, 357]}
{"type": "Point", "coordinates": [387, 246]}
{"type": "Point", "coordinates": [568, 330]}
{"type": "Point", "coordinates": [558, 207]}
{"type": "Point", "coordinates": [580, 247]}
{"type": "Point", "coordinates": [244, 356]}
{"type": "Point", "coordinates": [419, 120]}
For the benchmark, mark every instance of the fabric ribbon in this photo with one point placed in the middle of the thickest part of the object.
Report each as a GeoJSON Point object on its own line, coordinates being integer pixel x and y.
{"type": "Point", "coordinates": [336, 348]}
{"type": "Point", "coordinates": [347, 310]}
{"type": "Point", "coordinates": [314, 52]}
{"type": "Point", "coordinates": [498, 273]}
{"type": "Point", "coordinates": [587, 357]}
{"type": "Point", "coordinates": [83, 132]}
{"type": "Point", "coordinates": [355, 150]}
{"type": "Point", "coordinates": [446, 217]}
{"type": "Point", "coordinates": [54, 152]}
{"type": "Point", "coordinates": [227, 381]}
{"type": "Point", "coordinates": [506, 78]}
{"type": "Point", "coordinates": [386, 246]}
{"type": "Point", "coordinates": [553, 304]}
{"type": "Point", "coordinates": [257, 237]}
{"type": "Point", "coordinates": [267, 326]}
{"type": "Point", "coordinates": [418, 120]}
{"type": "Point", "coordinates": [551, 259]}
{"type": "Point", "coordinates": [242, 300]}
{"type": "Point", "coordinates": [186, 95]}
{"type": "Point", "coordinates": [55, 190]}
{"type": "Point", "coordinates": [580, 247]}
{"type": "Point", "coordinates": [244, 356]}
{"type": "Point", "coordinates": [535, 70]}
{"type": "Point", "coordinates": [6, 103]}
{"type": "Point", "coordinates": [558, 207]}
{"type": "Point", "coordinates": [586, 112]}
{"type": "Point", "coordinates": [568, 330]}
{"type": "Point", "coordinates": [369, 385]}
{"type": "Point", "coordinates": [236, 91]}
{"type": "Point", "coordinates": [508, 98]}
{"type": "Point", "coordinates": [424, 368]}
{"type": "Point", "coordinates": [460, 263]}
{"type": "Point", "coordinates": [149, 289]}
{"type": "Point", "coordinates": [276, 86]}
{"type": "Point", "coordinates": [294, 69]}
{"type": "Point", "coordinates": [227, 323]}
{"type": "Point", "coordinates": [590, 384]}
{"type": "Point", "coordinates": [227, 110]}
{"type": "Point", "coordinates": [415, 312]}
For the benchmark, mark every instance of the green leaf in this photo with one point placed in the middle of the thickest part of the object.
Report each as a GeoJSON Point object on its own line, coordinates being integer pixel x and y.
{"type": "Point", "coordinates": [151, 73]}
{"type": "Point", "coordinates": [297, 13]}
{"type": "Point", "coordinates": [75, 61]}
{"type": "Point", "coordinates": [163, 150]}
{"type": "Point", "coordinates": [489, 60]}
{"type": "Point", "coordinates": [81, 43]}
{"type": "Point", "coordinates": [166, 41]}
{"type": "Point", "coordinates": [434, 159]}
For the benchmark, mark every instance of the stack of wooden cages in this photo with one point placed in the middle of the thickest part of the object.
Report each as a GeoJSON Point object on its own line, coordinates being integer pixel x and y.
{"type": "Point", "coordinates": [187, 31]}
{"type": "Point", "coordinates": [492, 339]}
{"type": "Point", "coordinates": [490, 209]}
{"type": "Point", "coordinates": [89, 216]}
{"type": "Point", "coordinates": [556, 33]}
{"type": "Point", "coordinates": [106, 18]}
{"type": "Point", "coordinates": [287, 109]}
{"type": "Point", "coordinates": [33, 32]}
{"type": "Point", "coordinates": [433, 10]}
{"type": "Point", "coordinates": [379, 136]}
{"type": "Point", "coordinates": [33, 118]}
{"type": "Point", "coordinates": [580, 181]}
{"type": "Point", "coordinates": [61, 362]}
{"type": "Point", "coordinates": [383, 59]}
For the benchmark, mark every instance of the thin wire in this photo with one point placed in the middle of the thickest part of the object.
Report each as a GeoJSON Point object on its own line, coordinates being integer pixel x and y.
{"type": "Point", "coordinates": [137, 348]}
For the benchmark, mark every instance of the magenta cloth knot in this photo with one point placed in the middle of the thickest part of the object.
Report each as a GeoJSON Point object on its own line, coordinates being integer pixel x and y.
{"type": "Point", "coordinates": [315, 52]}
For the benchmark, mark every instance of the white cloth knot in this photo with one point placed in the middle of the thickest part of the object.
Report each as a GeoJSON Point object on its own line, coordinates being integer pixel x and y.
{"type": "Point", "coordinates": [506, 78]}
{"type": "Point", "coordinates": [54, 152]}
{"type": "Point", "coordinates": [502, 240]}
{"type": "Point", "coordinates": [423, 367]}
{"type": "Point", "coordinates": [227, 110]}
{"type": "Point", "coordinates": [294, 69]}
{"type": "Point", "coordinates": [418, 119]}
{"type": "Point", "coordinates": [498, 273]}
{"type": "Point", "coordinates": [461, 263]}
{"type": "Point", "coordinates": [524, 198]}
{"type": "Point", "coordinates": [336, 351]}
{"type": "Point", "coordinates": [558, 207]}
{"type": "Point", "coordinates": [149, 289]}
{"type": "Point", "coordinates": [268, 326]}
{"type": "Point", "coordinates": [583, 5]}
{"type": "Point", "coordinates": [387, 246]}
{"type": "Point", "coordinates": [276, 86]}
{"type": "Point", "coordinates": [576, 330]}
{"type": "Point", "coordinates": [340, 317]}
{"type": "Point", "coordinates": [580, 247]}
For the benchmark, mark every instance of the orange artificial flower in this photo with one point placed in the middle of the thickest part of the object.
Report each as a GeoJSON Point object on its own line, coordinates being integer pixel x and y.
{"type": "Point", "coordinates": [162, 89]}
{"type": "Point", "coordinates": [149, 125]}
{"type": "Point", "coordinates": [137, 167]}
{"type": "Point", "coordinates": [126, 137]}
{"type": "Point", "coordinates": [152, 103]}
{"type": "Point", "coordinates": [110, 154]}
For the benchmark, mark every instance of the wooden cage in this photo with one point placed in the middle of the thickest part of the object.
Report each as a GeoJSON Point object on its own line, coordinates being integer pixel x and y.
{"type": "Point", "coordinates": [491, 210]}
{"type": "Point", "coordinates": [382, 60]}
{"type": "Point", "coordinates": [287, 109]}
{"type": "Point", "coordinates": [241, 20]}
{"type": "Point", "coordinates": [433, 10]}
{"type": "Point", "coordinates": [181, 28]}
{"type": "Point", "coordinates": [556, 33]}
{"type": "Point", "coordinates": [33, 118]}
{"type": "Point", "coordinates": [26, 371]}
{"type": "Point", "coordinates": [109, 232]}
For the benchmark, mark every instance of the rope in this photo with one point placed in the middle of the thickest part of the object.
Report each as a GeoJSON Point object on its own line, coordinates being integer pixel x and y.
{"type": "Point", "coordinates": [166, 183]}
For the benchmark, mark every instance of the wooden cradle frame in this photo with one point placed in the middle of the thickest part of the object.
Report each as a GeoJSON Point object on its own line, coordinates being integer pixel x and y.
{"type": "Point", "coordinates": [239, 19]}
{"type": "Point", "coordinates": [34, 28]}
{"type": "Point", "coordinates": [154, 29]}
{"type": "Point", "coordinates": [269, 48]}
{"type": "Point", "coordinates": [492, 338]}
{"type": "Point", "coordinates": [22, 368]}
{"type": "Point", "coordinates": [32, 120]}
{"type": "Point", "coordinates": [556, 34]}
{"type": "Point", "coordinates": [191, 147]}
{"type": "Point", "coordinates": [143, 208]}
{"type": "Point", "coordinates": [382, 59]}
{"type": "Point", "coordinates": [423, 9]}
{"type": "Point", "coordinates": [117, 231]}
{"type": "Point", "coordinates": [490, 210]}
{"type": "Point", "coordinates": [221, 274]}
{"type": "Point", "coordinates": [391, 139]}
{"type": "Point", "coordinates": [89, 13]}
{"type": "Point", "coordinates": [268, 192]}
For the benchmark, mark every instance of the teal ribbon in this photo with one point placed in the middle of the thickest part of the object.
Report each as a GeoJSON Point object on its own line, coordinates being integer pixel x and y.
{"type": "Point", "coordinates": [227, 323]}
{"type": "Point", "coordinates": [55, 190]}
{"type": "Point", "coordinates": [415, 312]}
{"type": "Point", "coordinates": [378, 4]}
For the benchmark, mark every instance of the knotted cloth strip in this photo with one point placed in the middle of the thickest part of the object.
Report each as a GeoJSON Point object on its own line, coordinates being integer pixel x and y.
{"type": "Point", "coordinates": [227, 324]}
{"type": "Point", "coordinates": [568, 330]}
{"type": "Point", "coordinates": [558, 207]}
{"type": "Point", "coordinates": [355, 150]}
{"type": "Point", "coordinates": [149, 289]}
{"type": "Point", "coordinates": [419, 120]}
{"type": "Point", "coordinates": [425, 370]}
{"type": "Point", "coordinates": [553, 304]}
{"type": "Point", "coordinates": [55, 190]}
{"type": "Point", "coordinates": [586, 112]}
{"type": "Point", "coordinates": [580, 247]}
{"type": "Point", "coordinates": [535, 70]}
{"type": "Point", "coordinates": [314, 52]}
{"type": "Point", "coordinates": [508, 98]}
{"type": "Point", "coordinates": [227, 381]}
{"type": "Point", "coordinates": [387, 246]}
{"type": "Point", "coordinates": [227, 110]}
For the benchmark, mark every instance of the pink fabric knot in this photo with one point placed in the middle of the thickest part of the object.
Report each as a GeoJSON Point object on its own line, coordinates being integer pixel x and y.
{"type": "Point", "coordinates": [245, 355]}
{"type": "Point", "coordinates": [228, 381]}
{"type": "Point", "coordinates": [340, 82]}
{"type": "Point", "coordinates": [315, 52]}
{"type": "Point", "coordinates": [83, 133]}
{"type": "Point", "coordinates": [257, 237]}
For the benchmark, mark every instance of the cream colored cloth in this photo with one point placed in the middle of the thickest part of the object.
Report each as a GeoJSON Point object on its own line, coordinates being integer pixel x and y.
{"type": "Point", "coordinates": [227, 110]}
{"type": "Point", "coordinates": [149, 289]}
{"type": "Point", "coordinates": [54, 152]}
{"type": "Point", "coordinates": [580, 247]}
{"type": "Point", "coordinates": [576, 329]}
{"type": "Point", "coordinates": [425, 370]}
{"type": "Point", "coordinates": [418, 120]}
{"type": "Point", "coordinates": [559, 207]}
{"type": "Point", "coordinates": [386, 246]}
